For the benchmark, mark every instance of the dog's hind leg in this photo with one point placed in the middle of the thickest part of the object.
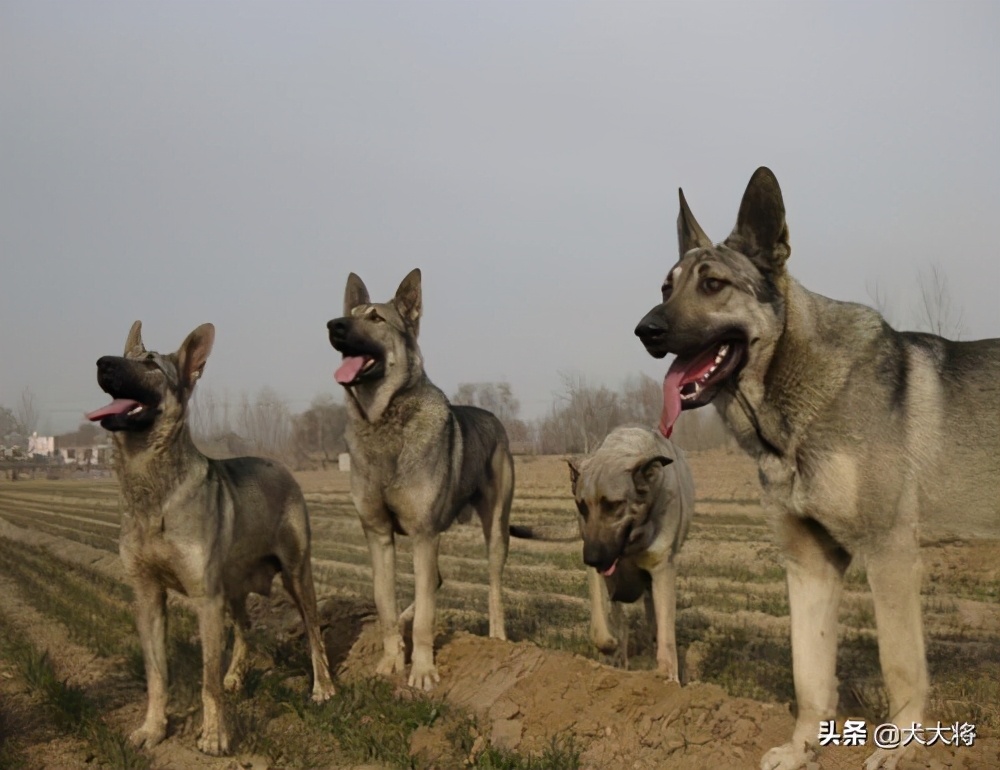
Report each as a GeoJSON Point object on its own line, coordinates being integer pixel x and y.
{"type": "Point", "coordinates": [298, 581]}
{"type": "Point", "coordinates": [214, 738]}
{"type": "Point", "coordinates": [494, 513]}
{"type": "Point", "coordinates": [894, 574]}
{"type": "Point", "coordinates": [621, 620]}
{"type": "Point", "coordinates": [294, 557]}
{"type": "Point", "coordinates": [151, 620]}
{"type": "Point", "coordinates": [406, 616]}
{"type": "Point", "coordinates": [815, 565]}
{"type": "Point", "coordinates": [233, 680]}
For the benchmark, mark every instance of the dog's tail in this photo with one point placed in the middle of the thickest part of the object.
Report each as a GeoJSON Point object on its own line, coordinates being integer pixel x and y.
{"type": "Point", "coordinates": [542, 533]}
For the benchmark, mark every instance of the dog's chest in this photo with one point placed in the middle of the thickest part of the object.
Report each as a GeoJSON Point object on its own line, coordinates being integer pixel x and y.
{"type": "Point", "coordinates": [169, 548]}
{"type": "Point", "coordinates": [827, 492]}
{"type": "Point", "coordinates": [167, 563]}
{"type": "Point", "coordinates": [657, 554]}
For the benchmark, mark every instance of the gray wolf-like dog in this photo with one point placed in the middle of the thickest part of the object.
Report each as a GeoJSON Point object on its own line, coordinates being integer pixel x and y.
{"type": "Point", "coordinates": [868, 441]}
{"type": "Point", "coordinates": [211, 530]}
{"type": "Point", "coordinates": [417, 464]}
{"type": "Point", "coordinates": [635, 498]}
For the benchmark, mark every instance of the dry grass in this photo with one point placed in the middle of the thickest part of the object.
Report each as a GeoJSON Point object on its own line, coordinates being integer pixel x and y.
{"type": "Point", "coordinates": [732, 620]}
{"type": "Point", "coordinates": [68, 706]}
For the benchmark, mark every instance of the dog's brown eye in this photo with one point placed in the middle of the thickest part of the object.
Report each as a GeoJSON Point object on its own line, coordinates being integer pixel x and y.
{"type": "Point", "coordinates": [581, 506]}
{"type": "Point", "coordinates": [667, 288]}
{"type": "Point", "coordinates": [712, 285]}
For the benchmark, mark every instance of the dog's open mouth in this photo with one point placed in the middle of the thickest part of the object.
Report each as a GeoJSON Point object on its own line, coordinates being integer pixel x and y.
{"type": "Point", "coordinates": [355, 369]}
{"type": "Point", "coordinates": [124, 414]}
{"type": "Point", "coordinates": [693, 381]}
{"type": "Point", "coordinates": [364, 359]}
{"type": "Point", "coordinates": [120, 406]}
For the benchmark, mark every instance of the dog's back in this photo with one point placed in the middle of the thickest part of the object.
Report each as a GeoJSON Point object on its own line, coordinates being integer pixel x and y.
{"type": "Point", "coordinates": [482, 434]}
{"type": "Point", "coordinates": [265, 513]}
{"type": "Point", "coordinates": [960, 493]}
{"type": "Point", "coordinates": [261, 489]}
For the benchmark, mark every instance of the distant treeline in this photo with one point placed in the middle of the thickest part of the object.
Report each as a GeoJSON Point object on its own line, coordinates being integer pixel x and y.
{"type": "Point", "coordinates": [580, 416]}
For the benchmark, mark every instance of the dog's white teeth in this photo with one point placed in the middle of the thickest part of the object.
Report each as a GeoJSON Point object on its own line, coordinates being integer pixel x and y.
{"type": "Point", "coordinates": [368, 364]}
{"type": "Point", "coordinates": [135, 410]}
{"type": "Point", "coordinates": [723, 350]}
{"type": "Point", "coordinates": [693, 393]}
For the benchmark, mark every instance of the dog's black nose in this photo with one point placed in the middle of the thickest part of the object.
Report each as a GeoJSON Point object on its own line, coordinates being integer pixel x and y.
{"type": "Point", "coordinates": [338, 328]}
{"type": "Point", "coordinates": [649, 330]}
{"type": "Point", "coordinates": [105, 362]}
{"type": "Point", "coordinates": [598, 556]}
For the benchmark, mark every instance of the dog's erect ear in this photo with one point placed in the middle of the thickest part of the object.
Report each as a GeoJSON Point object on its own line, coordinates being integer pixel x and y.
{"type": "Point", "coordinates": [133, 343]}
{"type": "Point", "coordinates": [574, 474]}
{"type": "Point", "coordinates": [689, 232]}
{"type": "Point", "coordinates": [761, 231]}
{"type": "Point", "coordinates": [645, 472]}
{"type": "Point", "coordinates": [407, 299]}
{"type": "Point", "coordinates": [194, 352]}
{"type": "Point", "coordinates": [355, 294]}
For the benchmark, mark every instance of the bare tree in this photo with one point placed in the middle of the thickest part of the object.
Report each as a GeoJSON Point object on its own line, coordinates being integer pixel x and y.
{"type": "Point", "coordinates": [582, 415]}
{"type": "Point", "coordinates": [27, 412]}
{"type": "Point", "coordinates": [935, 311]}
{"type": "Point", "coordinates": [880, 302]}
{"type": "Point", "coordinates": [266, 424]}
{"type": "Point", "coordinates": [321, 428]}
{"type": "Point", "coordinates": [210, 414]}
{"type": "Point", "coordinates": [642, 400]}
{"type": "Point", "coordinates": [8, 422]}
{"type": "Point", "coordinates": [86, 433]}
{"type": "Point", "coordinates": [700, 429]}
{"type": "Point", "coordinates": [498, 398]}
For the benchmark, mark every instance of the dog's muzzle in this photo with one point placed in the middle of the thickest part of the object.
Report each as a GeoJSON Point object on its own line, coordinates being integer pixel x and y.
{"type": "Point", "coordinates": [338, 329]}
{"type": "Point", "coordinates": [653, 333]}
{"type": "Point", "coordinates": [600, 556]}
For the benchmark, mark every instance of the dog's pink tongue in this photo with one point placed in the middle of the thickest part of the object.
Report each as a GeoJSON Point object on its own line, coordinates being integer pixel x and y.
{"type": "Point", "coordinates": [611, 570]}
{"type": "Point", "coordinates": [118, 406]}
{"type": "Point", "coordinates": [349, 369]}
{"type": "Point", "coordinates": [679, 375]}
{"type": "Point", "coordinates": [671, 400]}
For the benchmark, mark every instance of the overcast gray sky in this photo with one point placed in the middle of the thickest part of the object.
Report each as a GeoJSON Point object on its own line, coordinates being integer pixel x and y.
{"type": "Point", "coordinates": [231, 162]}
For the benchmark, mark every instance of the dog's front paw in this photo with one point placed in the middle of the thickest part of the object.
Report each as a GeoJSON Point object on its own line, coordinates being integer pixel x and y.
{"type": "Point", "coordinates": [148, 735]}
{"type": "Point", "coordinates": [213, 741]}
{"type": "Point", "coordinates": [885, 759]}
{"type": "Point", "coordinates": [391, 663]}
{"type": "Point", "coordinates": [788, 756]}
{"type": "Point", "coordinates": [424, 677]}
{"type": "Point", "coordinates": [606, 644]}
{"type": "Point", "coordinates": [323, 691]}
{"type": "Point", "coordinates": [667, 671]}
{"type": "Point", "coordinates": [233, 682]}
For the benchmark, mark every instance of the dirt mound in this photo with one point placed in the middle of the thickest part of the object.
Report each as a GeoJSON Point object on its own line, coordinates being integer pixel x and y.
{"type": "Point", "coordinates": [524, 696]}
